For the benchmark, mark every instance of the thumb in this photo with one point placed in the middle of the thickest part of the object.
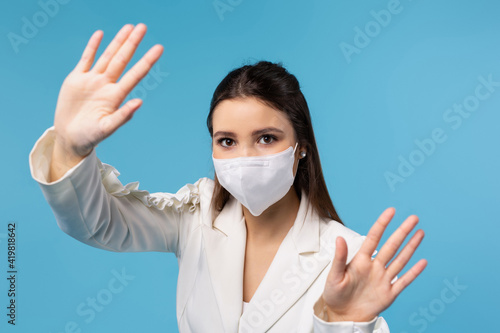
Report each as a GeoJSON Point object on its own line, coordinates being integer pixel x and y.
{"type": "Point", "coordinates": [122, 115]}
{"type": "Point", "coordinates": [337, 271]}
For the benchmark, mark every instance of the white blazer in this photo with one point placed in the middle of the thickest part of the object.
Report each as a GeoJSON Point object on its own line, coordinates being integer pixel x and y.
{"type": "Point", "coordinates": [91, 205]}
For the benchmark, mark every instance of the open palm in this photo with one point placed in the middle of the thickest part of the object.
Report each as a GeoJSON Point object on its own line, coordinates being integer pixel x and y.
{"type": "Point", "coordinates": [365, 287]}
{"type": "Point", "coordinates": [88, 107]}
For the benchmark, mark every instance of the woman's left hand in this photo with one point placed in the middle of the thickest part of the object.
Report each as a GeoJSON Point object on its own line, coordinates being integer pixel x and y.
{"type": "Point", "coordinates": [361, 290]}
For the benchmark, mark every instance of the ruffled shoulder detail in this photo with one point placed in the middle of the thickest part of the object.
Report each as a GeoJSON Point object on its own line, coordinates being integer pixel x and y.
{"type": "Point", "coordinates": [186, 199]}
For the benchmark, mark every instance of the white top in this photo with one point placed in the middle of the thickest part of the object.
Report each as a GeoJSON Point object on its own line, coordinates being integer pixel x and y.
{"type": "Point", "coordinates": [91, 205]}
{"type": "Point", "coordinates": [245, 305]}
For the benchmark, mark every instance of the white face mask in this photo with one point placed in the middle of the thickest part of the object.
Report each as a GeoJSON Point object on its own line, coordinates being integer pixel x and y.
{"type": "Point", "coordinates": [257, 182]}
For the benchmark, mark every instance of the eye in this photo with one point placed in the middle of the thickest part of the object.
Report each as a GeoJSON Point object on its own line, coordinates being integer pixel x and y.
{"type": "Point", "coordinates": [267, 139]}
{"type": "Point", "coordinates": [225, 142]}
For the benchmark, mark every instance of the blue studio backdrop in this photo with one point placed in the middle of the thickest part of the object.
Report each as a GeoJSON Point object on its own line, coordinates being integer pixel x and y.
{"type": "Point", "coordinates": [404, 97]}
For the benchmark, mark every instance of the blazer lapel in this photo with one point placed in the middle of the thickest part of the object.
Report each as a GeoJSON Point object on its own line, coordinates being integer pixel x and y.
{"type": "Point", "coordinates": [292, 271]}
{"type": "Point", "coordinates": [225, 249]}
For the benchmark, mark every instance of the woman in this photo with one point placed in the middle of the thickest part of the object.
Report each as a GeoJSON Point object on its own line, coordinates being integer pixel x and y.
{"type": "Point", "coordinates": [260, 247]}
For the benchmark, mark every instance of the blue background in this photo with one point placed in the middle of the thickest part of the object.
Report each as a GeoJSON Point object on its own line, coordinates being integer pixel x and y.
{"type": "Point", "coordinates": [368, 108]}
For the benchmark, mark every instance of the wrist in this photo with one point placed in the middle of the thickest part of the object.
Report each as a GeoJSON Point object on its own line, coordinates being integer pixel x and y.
{"type": "Point", "coordinates": [65, 151]}
{"type": "Point", "coordinates": [64, 155]}
{"type": "Point", "coordinates": [61, 161]}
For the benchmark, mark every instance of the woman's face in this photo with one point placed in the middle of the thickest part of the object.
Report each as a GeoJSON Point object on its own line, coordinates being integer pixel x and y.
{"type": "Point", "coordinates": [248, 127]}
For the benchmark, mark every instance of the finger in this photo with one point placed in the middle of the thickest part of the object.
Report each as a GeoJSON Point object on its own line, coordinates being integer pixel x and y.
{"type": "Point", "coordinates": [408, 277]}
{"type": "Point", "coordinates": [112, 122]}
{"type": "Point", "coordinates": [132, 77]}
{"type": "Point", "coordinates": [125, 53]}
{"type": "Point", "coordinates": [392, 245]}
{"type": "Point", "coordinates": [337, 270]}
{"type": "Point", "coordinates": [405, 255]}
{"type": "Point", "coordinates": [88, 54]}
{"type": "Point", "coordinates": [121, 36]}
{"type": "Point", "coordinates": [376, 231]}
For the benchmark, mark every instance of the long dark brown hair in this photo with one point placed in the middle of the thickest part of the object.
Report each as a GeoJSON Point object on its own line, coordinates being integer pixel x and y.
{"type": "Point", "coordinates": [272, 84]}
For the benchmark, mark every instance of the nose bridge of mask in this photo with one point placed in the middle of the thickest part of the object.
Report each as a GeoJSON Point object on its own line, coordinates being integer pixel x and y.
{"type": "Point", "coordinates": [264, 161]}
{"type": "Point", "coordinates": [251, 161]}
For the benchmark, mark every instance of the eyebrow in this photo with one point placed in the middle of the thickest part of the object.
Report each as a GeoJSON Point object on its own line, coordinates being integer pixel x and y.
{"type": "Point", "coordinates": [254, 133]}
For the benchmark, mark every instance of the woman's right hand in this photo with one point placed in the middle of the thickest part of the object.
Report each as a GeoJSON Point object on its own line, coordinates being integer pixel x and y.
{"type": "Point", "coordinates": [88, 107]}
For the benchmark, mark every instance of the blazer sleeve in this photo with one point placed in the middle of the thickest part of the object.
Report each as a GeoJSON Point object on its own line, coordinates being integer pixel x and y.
{"type": "Point", "coordinates": [91, 205]}
{"type": "Point", "coordinates": [377, 325]}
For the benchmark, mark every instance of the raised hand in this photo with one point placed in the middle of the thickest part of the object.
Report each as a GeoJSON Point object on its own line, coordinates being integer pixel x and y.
{"type": "Point", "coordinates": [364, 288]}
{"type": "Point", "coordinates": [88, 107]}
